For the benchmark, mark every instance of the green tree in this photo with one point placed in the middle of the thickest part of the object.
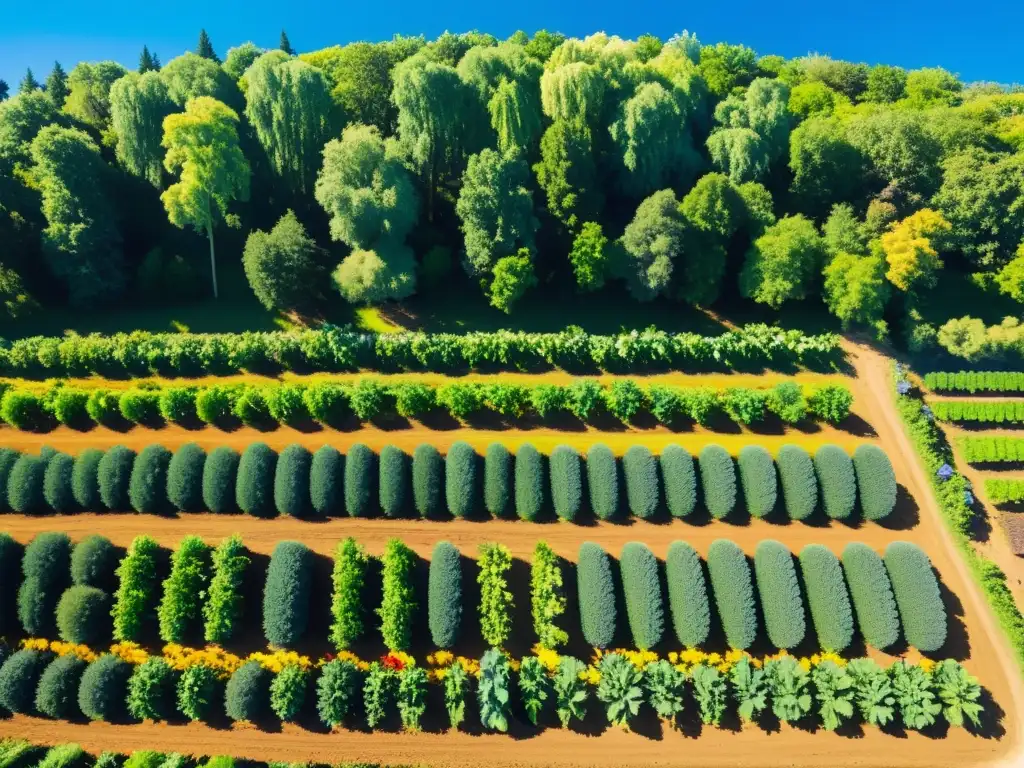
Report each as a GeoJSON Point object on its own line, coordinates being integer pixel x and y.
{"type": "Point", "coordinates": [843, 232]}
{"type": "Point", "coordinates": [89, 92]}
{"type": "Point", "coordinates": [573, 93]}
{"type": "Point", "coordinates": [652, 241]}
{"type": "Point", "coordinates": [507, 82]}
{"type": "Point", "coordinates": [1010, 278]}
{"type": "Point", "coordinates": [240, 58]}
{"type": "Point", "coordinates": [204, 47]}
{"type": "Point", "coordinates": [589, 257]}
{"type": "Point", "coordinates": [5, 90]}
{"type": "Point", "coordinates": [886, 84]}
{"type": "Point", "coordinates": [826, 168]}
{"type": "Point", "coordinates": [372, 276]}
{"type": "Point", "coordinates": [138, 106]}
{"type": "Point", "coordinates": [28, 83]}
{"type": "Point", "coordinates": [739, 152]}
{"type": "Point", "coordinates": [856, 289]}
{"type": "Point", "coordinates": [568, 175]}
{"type": "Point", "coordinates": [515, 116]}
{"type": "Point", "coordinates": [726, 66]}
{"type": "Point", "coordinates": [57, 85]}
{"type": "Point", "coordinates": [285, 44]}
{"type": "Point", "coordinates": [899, 149]}
{"type": "Point", "coordinates": [148, 62]}
{"type": "Point", "coordinates": [932, 86]}
{"type": "Point", "coordinates": [189, 76]}
{"type": "Point", "coordinates": [782, 263]}
{"type": "Point", "coordinates": [202, 145]}
{"type": "Point", "coordinates": [360, 75]}
{"type": "Point", "coordinates": [543, 44]}
{"type": "Point", "coordinates": [513, 276]}
{"type": "Point", "coordinates": [282, 266]}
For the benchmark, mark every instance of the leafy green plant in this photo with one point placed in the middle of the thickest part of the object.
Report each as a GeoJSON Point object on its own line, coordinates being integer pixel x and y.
{"type": "Point", "coordinates": [529, 482]}
{"type": "Point", "coordinates": [919, 706]}
{"type": "Point", "coordinates": [959, 692]}
{"type": "Point", "coordinates": [790, 686]}
{"type": "Point", "coordinates": [837, 479]}
{"type": "Point", "coordinates": [596, 588]}
{"type": "Point", "coordinates": [619, 689]}
{"type": "Point", "coordinates": [798, 481]}
{"type": "Point", "coordinates": [398, 605]}
{"type": "Point", "coordinates": [827, 597]}
{"type": "Point", "coordinates": [566, 482]}
{"type": "Point", "coordinates": [571, 691]}
{"type": "Point", "coordinates": [781, 602]}
{"type": "Point", "coordinates": [348, 579]}
{"type": "Point", "coordinates": [496, 604]}
{"type": "Point", "coordinates": [360, 476]}
{"type": "Point", "coordinates": [547, 596]}
{"type": "Point", "coordinates": [709, 688]}
{"type": "Point", "coordinates": [336, 691]}
{"type": "Point", "coordinates": [460, 485]}
{"type": "Point", "coordinates": [665, 686]}
{"type": "Point", "coordinates": [19, 679]}
{"type": "Point", "coordinates": [222, 611]}
{"type": "Point", "coordinates": [717, 480]}
{"type": "Point", "coordinates": [379, 692]}
{"type": "Point", "coordinates": [834, 689]}
{"type": "Point", "coordinates": [286, 593]}
{"type": "Point", "coordinates": [873, 692]}
{"type": "Point", "coordinates": [151, 689]}
{"type": "Point", "coordinates": [291, 481]}
{"type": "Point", "coordinates": [641, 586]}
{"type": "Point", "coordinates": [101, 694]}
{"type": "Point", "coordinates": [181, 607]}
{"type": "Point", "coordinates": [46, 566]}
{"type": "Point", "coordinates": [83, 615]}
{"type": "Point", "coordinates": [603, 481]}
{"type": "Point", "coordinates": [680, 480]}
{"type": "Point", "coordinates": [534, 687]}
{"type": "Point", "coordinates": [916, 589]}
{"type": "Point", "coordinates": [393, 480]}
{"type": "Point", "coordinates": [411, 695]}
{"type": "Point", "coordinates": [326, 473]}
{"type": "Point", "coordinates": [248, 692]}
{"type": "Point", "coordinates": [135, 600]}
{"type": "Point", "coordinates": [643, 488]}
{"type": "Point", "coordinates": [288, 692]}
{"type": "Point", "coordinates": [57, 691]}
{"type": "Point", "coordinates": [493, 691]}
{"type": "Point", "coordinates": [497, 479]}
{"type": "Point", "coordinates": [749, 688]}
{"type": "Point", "coordinates": [427, 480]}
{"type": "Point", "coordinates": [456, 686]}
{"type": "Point", "coordinates": [734, 592]}
{"type": "Point", "coordinates": [687, 595]}
{"type": "Point", "coordinates": [199, 689]}
{"type": "Point", "coordinates": [830, 403]}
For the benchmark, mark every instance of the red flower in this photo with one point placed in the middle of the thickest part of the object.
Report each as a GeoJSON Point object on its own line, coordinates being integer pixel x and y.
{"type": "Point", "coordinates": [391, 661]}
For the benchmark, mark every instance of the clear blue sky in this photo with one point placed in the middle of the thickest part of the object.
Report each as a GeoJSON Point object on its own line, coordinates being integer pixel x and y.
{"type": "Point", "coordinates": [980, 40]}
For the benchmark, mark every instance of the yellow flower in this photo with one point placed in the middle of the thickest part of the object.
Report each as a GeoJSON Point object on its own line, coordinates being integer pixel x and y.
{"type": "Point", "coordinates": [548, 658]}
{"type": "Point", "coordinates": [926, 664]}
{"type": "Point", "coordinates": [805, 663]}
{"type": "Point", "coordinates": [591, 675]}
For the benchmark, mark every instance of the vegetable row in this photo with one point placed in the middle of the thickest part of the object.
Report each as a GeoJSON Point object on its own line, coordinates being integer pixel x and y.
{"type": "Point", "coordinates": [975, 381]}
{"type": "Point", "coordinates": [986, 411]}
{"type": "Point", "coordinates": [18, 752]}
{"type": "Point", "coordinates": [1005, 490]}
{"type": "Point", "coordinates": [992, 448]}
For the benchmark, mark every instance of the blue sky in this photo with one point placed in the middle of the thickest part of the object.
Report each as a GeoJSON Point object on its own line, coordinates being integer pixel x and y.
{"type": "Point", "coordinates": [980, 41]}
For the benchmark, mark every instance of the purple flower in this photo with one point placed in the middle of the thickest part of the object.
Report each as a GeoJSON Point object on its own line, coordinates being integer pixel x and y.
{"type": "Point", "coordinates": [945, 472]}
{"type": "Point", "coordinates": [902, 387]}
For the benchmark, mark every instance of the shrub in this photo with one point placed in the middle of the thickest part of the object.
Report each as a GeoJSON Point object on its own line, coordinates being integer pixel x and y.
{"type": "Point", "coordinates": [360, 474]}
{"type": "Point", "coordinates": [104, 688]}
{"type": "Point", "coordinates": [215, 405]}
{"type": "Point", "coordinates": [827, 597]}
{"type": "Point", "coordinates": [508, 400]}
{"type": "Point", "coordinates": [677, 473]}
{"type": "Point", "coordinates": [327, 403]}
{"type": "Point", "coordinates": [798, 481]}
{"type": "Point", "coordinates": [348, 580]}
{"type": "Point", "coordinates": [529, 482]}
{"type": "Point", "coordinates": [68, 406]}
{"type": "Point", "coordinates": [8, 458]}
{"type": "Point", "coordinates": [547, 596]}
{"type": "Point", "coordinates": [745, 406]}
{"type": "Point", "coordinates": [427, 480]}
{"type": "Point", "coordinates": [641, 586]}
{"type": "Point", "coordinates": [369, 400]}
{"type": "Point", "coordinates": [717, 480]}
{"type": "Point", "coordinates": [625, 399]}
{"type": "Point", "coordinates": [151, 690]}
{"type": "Point", "coordinates": [286, 594]}
{"type": "Point", "coordinates": [104, 407]}
{"type": "Point", "coordinates": [876, 482]}
{"type": "Point", "coordinates": [181, 607]}
{"type": "Point", "coordinates": [596, 586]}
{"type": "Point", "coordinates": [291, 481]}
{"type": "Point", "coordinates": [65, 756]}
{"type": "Point", "coordinates": [603, 481]}
{"type": "Point", "coordinates": [23, 410]}
{"type": "Point", "coordinates": [566, 482]}
{"type": "Point", "coordinates": [254, 489]}
{"type": "Point", "coordinates": [461, 400]}
{"type": "Point", "coordinates": [25, 485]}
{"type": "Point", "coordinates": [288, 692]}
{"type": "Point", "coordinates": [135, 600]}
{"type": "Point", "coordinates": [185, 478]}
{"type": "Point", "coordinates": [141, 406]}
{"type": "Point", "coordinates": [114, 475]}
{"type": "Point", "coordinates": [394, 481]}
{"type": "Point", "coordinates": [83, 615]}
{"type": "Point", "coordinates": [497, 479]}
{"type": "Point", "coordinates": [287, 405]}
{"type": "Point", "coordinates": [10, 581]}
{"type": "Point", "coordinates": [414, 400]}
{"type": "Point", "coordinates": [178, 405]}
{"type": "Point", "coordinates": [147, 759]}
{"type": "Point", "coordinates": [147, 489]}
{"type": "Point", "coordinates": [687, 595]}
{"type": "Point", "coordinates": [398, 603]}
{"type": "Point", "coordinates": [781, 603]}
{"type": "Point", "coordinates": [547, 399]}
{"type": "Point", "coordinates": [917, 594]}
{"type": "Point", "coordinates": [247, 694]}
{"type": "Point", "coordinates": [830, 403]}
{"type": "Point", "coordinates": [1004, 490]}
{"type": "Point", "coordinates": [460, 482]}
{"type": "Point", "coordinates": [496, 605]}
{"type": "Point", "coordinates": [326, 481]}
{"type": "Point", "coordinates": [46, 567]}
{"type": "Point", "coordinates": [198, 689]}
{"type": "Point", "coordinates": [57, 491]}
{"type": "Point", "coordinates": [85, 485]}
{"type": "Point", "coordinates": [619, 689]}
{"type": "Point", "coordinates": [640, 469]}
{"type": "Point", "coordinates": [992, 448]}
{"type": "Point", "coordinates": [444, 594]}
{"type": "Point", "coordinates": [786, 400]}
{"type": "Point", "coordinates": [871, 594]}
{"type": "Point", "coordinates": [251, 407]}
{"type": "Point", "coordinates": [734, 593]}
{"type": "Point", "coordinates": [666, 403]}
{"type": "Point", "coordinates": [837, 481]}
{"type": "Point", "coordinates": [19, 680]}
{"type": "Point", "coordinates": [336, 691]}
{"type": "Point", "coordinates": [493, 690]}
{"type": "Point", "coordinates": [57, 692]}
{"type": "Point", "coordinates": [219, 480]}
{"type": "Point", "coordinates": [758, 479]}
{"type": "Point", "coordinates": [584, 398]}
{"type": "Point", "coordinates": [222, 611]}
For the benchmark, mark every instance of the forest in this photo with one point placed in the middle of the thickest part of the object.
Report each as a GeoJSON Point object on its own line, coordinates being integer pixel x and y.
{"type": "Point", "coordinates": [704, 174]}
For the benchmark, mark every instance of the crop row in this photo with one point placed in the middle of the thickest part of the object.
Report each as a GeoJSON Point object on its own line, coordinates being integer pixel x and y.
{"type": "Point", "coordinates": [372, 398]}
{"type": "Point", "coordinates": [527, 484]}
{"type": "Point", "coordinates": [1004, 490]}
{"type": "Point", "coordinates": [975, 381]}
{"type": "Point", "coordinates": [989, 411]}
{"type": "Point", "coordinates": [335, 350]}
{"type": "Point", "coordinates": [17, 753]}
{"type": "Point", "coordinates": [992, 448]}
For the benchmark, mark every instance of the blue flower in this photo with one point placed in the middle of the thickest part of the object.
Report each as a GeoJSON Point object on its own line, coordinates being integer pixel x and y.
{"type": "Point", "coordinates": [902, 386]}
{"type": "Point", "coordinates": [944, 472]}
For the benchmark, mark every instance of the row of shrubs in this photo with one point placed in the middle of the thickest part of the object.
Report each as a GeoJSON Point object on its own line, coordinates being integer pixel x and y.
{"type": "Point", "coordinates": [989, 411]}
{"type": "Point", "coordinates": [333, 349]}
{"type": "Point", "coordinates": [1004, 490]}
{"type": "Point", "coordinates": [371, 398]}
{"type": "Point", "coordinates": [529, 485]}
{"type": "Point", "coordinates": [992, 448]}
{"type": "Point", "coordinates": [15, 753]}
{"type": "Point", "coordinates": [975, 381]}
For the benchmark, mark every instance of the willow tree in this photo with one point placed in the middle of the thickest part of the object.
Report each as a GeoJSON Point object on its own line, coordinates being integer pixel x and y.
{"type": "Point", "coordinates": [190, 75]}
{"type": "Point", "coordinates": [573, 92]}
{"type": "Point", "coordinates": [515, 116]}
{"type": "Point", "coordinates": [202, 145]}
{"type": "Point", "coordinates": [138, 106]}
{"type": "Point", "coordinates": [288, 104]}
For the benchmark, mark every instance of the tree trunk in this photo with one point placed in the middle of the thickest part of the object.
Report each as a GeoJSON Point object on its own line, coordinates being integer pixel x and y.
{"type": "Point", "coordinates": [213, 259]}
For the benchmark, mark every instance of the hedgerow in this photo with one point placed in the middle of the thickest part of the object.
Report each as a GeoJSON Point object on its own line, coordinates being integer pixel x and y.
{"type": "Point", "coordinates": [460, 483]}
{"type": "Point", "coordinates": [394, 481]}
{"type": "Point", "coordinates": [975, 381]}
{"type": "Point", "coordinates": [254, 485]}
{"type": "Point", "coordinates": [734, 592]}
{"type": "Point", "coordinates": [19, 679]}
{"type": "Point", "coordinates": [414, 399]}
{"type": "Point", "coordinates": [717, 480]}
{"type": "Point", "coordinates": [758, 480]}
{"type": "Point", "coordinates": [444, 594]}
{"type": "Point", "coordinates": [222, 611]}
{"type": "Point", "coordinates": [360, 474]}
{"type": "Point", "coordinates": [83, 615]}
{"type": "Point", "coordinates": [287, 593]}
{"type": "Point", "coordinates": [992, 448]}
{"type": "Point", "coordinates": [104, 688]}
{"type": "Point", "coordinates": [135, 600]}
{"type": "Point", "coordinates": [984, 411]}
{"type": "Point", "coordinates": [10, 581]}
{"type": "Point", "coordinates": [798, 481]}
{"type": "Point", "coordinates": [494, 562]}
{"type": "Point", "coordinates": [251, 407]}
{"type": "Point", "coordinates": [1004, 491]}
{"type": "Point", "coordinates": [181, 606]}
{"type": "Point", "coordinates": [46, 569]}
{"type": "Point", "coordinates": [876, 482]}
{"type": "Point", "coordinates": [327, 403]}
{"type": "Point", "coordinates": [827, 597]}
{"type": "Point", "coordinates": [57, 692]}
{"type": "Point", "coordinates": [291, 481]}
{"type": "Point", "coordinates": [529, 482]}
{"type": "Point", "coordinates": [687, 595]}
{"type": "Point", "coordinates": [566, 482]}
{"type": "Point", "coordinates": [219, 475]}
{"type": "Point", "coordinates": [185, 478]}
{"type": "Point", "coordinates": [427, 480]}
{"type": "Point", "coordinates": [871, 594]}
{"type": "Point", "coordinates": [916, 589]}
{"type": "Point", "coordinates": [497, 479]}
{"type": "Point", "coordinates": [347, 600]}
{"type": "Point", "coordinates": [151, 690]}
{"type": "Point", "coordinates": [398, 605]}
{"type": "Point", "coordinates": [596, 585]}
{"type": "Point", "coordinates": [781, 603]}
{"type": "Point", "coordinates": [247, 694]}
{"type": "Point", "coordinates": [58, 493]}
{"type": "Point", "coordinates": [837, 481]}
{"type": "Point", "coordinates": [326, 478]}
{"type": "Point", "coordinates": [547, 596]}
{"type": "Point", "coordinates": [147, 488]}
{"type": "Point", "coordinates": [114, 475]}
{"type": "Point", "coordinates": [25, 485]}
{"type": "Point", "coordinates": [643, 490]}
{"type": "Point", "coordinates": [641, 585]}
{"type": "Point", "coordinates": [680, 480]}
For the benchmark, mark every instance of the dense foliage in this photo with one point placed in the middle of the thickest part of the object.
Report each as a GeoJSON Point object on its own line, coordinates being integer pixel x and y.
{"type": "Point", "coordinates": [871, 594]}
{"type": "Point", "coordinates": [286, 595]}
{"type": "Point", "coordinates": [595, 583]}
{"type": "Point", "coordinates": [398, 605]}
{"type": "Point", "coordinates": [827, 597]}
{"type": "Point", "coordinates": [45, 568]}
{"type": "Point", "coordinates": [782, 604]}
{"type": "Point", "coordinates": [733, 588]}
{"type": "Point", "coordinates": [641, 586]}
{"type": "Point", "coordinates": [916, 589]}
{"type": "Point", "coordinates": [444, 594]}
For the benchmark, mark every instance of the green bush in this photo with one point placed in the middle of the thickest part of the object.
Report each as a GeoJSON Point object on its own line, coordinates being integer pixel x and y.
{"type": "Point", "coordinates": [199, 688]}
{"type": "Point", "coordinates": [667, 404]}
{"type": "Point", "coordinates": [68, 406]}
{"type": "Point", "coordinates": [19, 680]}
{"type": "Point", "coordinates": [151, 690]}
{"type": "Point", "coordinates": [643, 491]}
{"type": "Point", "coordinates": [830, 403]}
{"type": "Point", "coordinates": [57, 491]}
{"type": "Point", "coordinates": [104, 407]}
{"type": "Point", "coordinates": [758, 480]}
{"type": "Point", "coordinates": [8, 457]}
{"type": "Point", "coordinates": [287, 405]}
{"type": "Point", "coordinates": [287, 593]}
{"type": "Point", "coordinates": [46, 567]}
{"type": "Point", "coordinates": [147, 489]}
{"type": "Point", "coordinates": [219, 480]}
{"type": "Point", "coordinates": [585, 397]}
{"type": "Point", "coordinates": [641, 585]}
{"type": "Point", "coordinates": [398, 604]}
{"type": "Point", "coordinates": [291, 481]}
{"type": "Point", "coordinates": [178, 405]}
{"type": "Point", "coordinates": [916, 589]}
{"type": "Point", "coordinates": [141, 406]}
{"type": "Point", "coordinates": [10, 581]}
{"type": "Point", "coordinates": [394, 481]}
{"type": "Point", "coordinates": [595, 583]}
{"type": "Point", "coordinates": [461, 400]}
{"type": "Point", "coordinates": [104, 688]}
{"type": "Point", "coordinates": [744, 406]}
{"type": "Point", "coordinates": [247, 695]}
{"type": "Point", "coordinates": [83, 615]}
{"type": "Point", "coordinates": [85, 483]}
{"type": "Point", "coordinates": [798, 481]}
{"type": "Point", "coordinates": [25, 485]}
{"type": "Point", "coordinates": [871, 594]}
{"type": "Point", "coordinates": [992, 448]}
{"type": "Point", "coordinates": [348, 580]}
{"type": "Point", "coordinates": [876, 482]}
{"type": "Point", "coordinates": [680, 479]}
{"type": "Point", "coordinates": [136, 598]}
{"type": "Point", "coordinates": [460, 483]}
{"type": "Point", "coordinates": [427, 480]}
{"type": "Point", "coordinates": [786, 400]}
{"type": "Point", "coordinates": [327, 403]}
{"type": "Point", "coordinates": [687, 595]}
{"type": "Point", "coordinates": [254, 489]}
{"type": "Point", "coordinates": [414, 400]}
{"type": "Point", "coordinates": [1004, 490]}
{"type": "Point", "coordinates": [717, 480]}
{"type": "Point", "coordinates": [566, 482]}
{"type": "Point", "coordinates": [180, 609]}
{"type": "Point", "coordinates": [326, 481]}
{"type": "Point", "coordinates": [222, 611]}
{"type": "Point", "coordinates": [547, 596]}
{"type": "Point", "coordinates": [114, 475]}
{"type": "Point", "coordinates": [625, 399]}
{"type": "Point", "coordinates": [603, 481]}
{"type": "Point", "coordinates": [337, 691]}
{"type": "Point", "coordinates": [369, 400]}
{"type": "Point", "coordinates": [360, 481]}
{"type": "Point", "coordinates": [547, 399]}
{"type": "Point", "coordinates": [734, 593]}
{"type": "Point", "coordinates": [837, 481]}
{"type": "Point", "coordinates": [57, 692]}
{"type": "Point", "coordinates": [251, 407]}
{"type": "Point", "coordinates": [23, 410]}
{"type": "Point", "coordinates": [496, 604]}
{"type": "Point", "coordinates": [288, 692]}
{"type": "Point", "coordinates": [185, 478]}
{"type": "Point", "coordinates": [979, 411]}
{"type": "Point", "coordinates": [145, 759]}
{"type": "Point", "coordinates": [497, 479]}
{"type": "Point", "coordinates": [781, 602]}
{"type": "Point", "coordinates": [215, 405]}
{"type": "Point", "coordinates": [827, 597]}
{"type": "Point", "coordinates": [444, 594]}
{"type": "Point", "coordinates": [529, 483]}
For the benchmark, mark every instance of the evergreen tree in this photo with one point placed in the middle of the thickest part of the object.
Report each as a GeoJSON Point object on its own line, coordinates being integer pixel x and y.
{"type": "Point", "coordinates": [147, 61]}
{"type": "Point", "coordinates": [5, 89]}
{"type": "Point", "coordinates": [286, 44]}
{"type": "Point", "coordinates": [28, 82]}
{"type": "Point", "coordinates": [205, 48]}
{"type": "Point", "coordinates": [57, 85]}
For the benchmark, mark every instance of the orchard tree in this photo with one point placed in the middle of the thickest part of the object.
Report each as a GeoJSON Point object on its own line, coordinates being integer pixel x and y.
{"type": "Point", "coordinates": [57, 85]}
{"type": "Point", "coordinates": [652, 241]}
{"type": "Point", "coordinates": [782, 263]}
{"type": "Point", "coordinates": [855, 288]}
{"type": "Point", "coordinates": [89, 96]}
{"type": "Point", "coordinates": [567, 174]}
{"type": "Point", "coordinates": [138, 106]}
{"type": "Point", "coordinates": [283, 266]}
{"type": "Point", "coordinates": [372, 276]}
{"type": "Point", "coordinates": [202, 146]}
{"type": "Point", "coordinates": [911, 252]}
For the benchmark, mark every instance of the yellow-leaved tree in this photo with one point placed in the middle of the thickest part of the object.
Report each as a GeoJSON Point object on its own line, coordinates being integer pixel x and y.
{"type": "Point", "coordinates": [910, 250]}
